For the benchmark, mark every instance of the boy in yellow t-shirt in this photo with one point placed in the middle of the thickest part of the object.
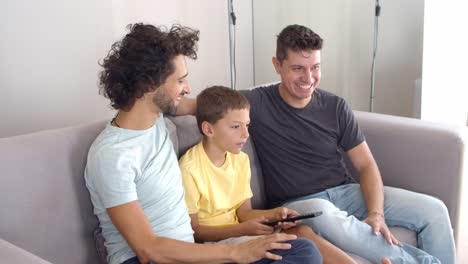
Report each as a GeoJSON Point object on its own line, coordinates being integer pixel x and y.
{"type": "Point", "coordinates": [216, 178]}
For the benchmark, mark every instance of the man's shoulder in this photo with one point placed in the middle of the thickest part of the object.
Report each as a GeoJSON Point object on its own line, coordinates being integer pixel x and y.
{"type": "Point", "coordinates": [260, 89]}
{"type": "Point", "coordinates": [327, 95]}
{"type": "Point", "coordinates": [115, 144]}
{"type": "Point", "coordinates": [329, 100]}
{"type": "Point", "coordinates": [105, 142]}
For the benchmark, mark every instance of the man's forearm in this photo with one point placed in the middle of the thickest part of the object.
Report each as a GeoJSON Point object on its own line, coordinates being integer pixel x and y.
{"type": "Point", "coordinates": [167, 250]}
{"type": "Point", "coordinates": [372, 189]}
{"type": "Point", "coordinates": [205, 233]}
{"type": "Point", "coordinates": [187, 106]}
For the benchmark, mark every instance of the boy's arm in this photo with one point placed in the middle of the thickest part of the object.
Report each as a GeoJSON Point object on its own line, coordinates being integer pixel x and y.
{"type": "Point", "coordinates": [132, 223]}
{"type": "Point", "coordinates": [204, 233]}
{"type": "Point", "coordinates": [246, 212]}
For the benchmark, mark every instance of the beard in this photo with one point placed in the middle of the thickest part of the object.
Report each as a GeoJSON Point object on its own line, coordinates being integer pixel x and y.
{"type": "Point", "coordinates": [163, 102]}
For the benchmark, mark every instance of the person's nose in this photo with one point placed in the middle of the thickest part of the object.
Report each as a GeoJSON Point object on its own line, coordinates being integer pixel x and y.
{"type": "Point", "coordinates": [308, 76]}
{"type": "Point", "coordinates": [245, 132]}
{"type": "Point", "coordinates": [187, 89]}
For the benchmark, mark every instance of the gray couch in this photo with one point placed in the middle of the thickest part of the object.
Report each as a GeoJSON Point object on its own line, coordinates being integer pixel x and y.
{"type": "Point", "coordinates": [46, 214]}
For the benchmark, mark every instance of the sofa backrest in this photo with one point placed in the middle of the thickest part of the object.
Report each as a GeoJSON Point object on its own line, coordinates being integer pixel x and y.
{"type": "Point", "coordinates": [46, 207]}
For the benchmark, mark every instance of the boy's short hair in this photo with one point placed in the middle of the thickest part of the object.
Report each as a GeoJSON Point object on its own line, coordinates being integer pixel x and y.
{"type": "Point", "coordinates": [214, 102]}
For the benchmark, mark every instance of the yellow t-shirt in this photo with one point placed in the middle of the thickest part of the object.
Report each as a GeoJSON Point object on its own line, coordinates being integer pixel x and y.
{"type": "Point", "coordinates": [215, 193]}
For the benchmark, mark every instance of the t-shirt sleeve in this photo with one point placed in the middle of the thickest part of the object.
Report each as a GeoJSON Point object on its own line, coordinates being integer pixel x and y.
{"type": "Point", "coordinates": [350, 134]}
{"type": "Point", "coordinates": [192, 195]}
{"type": "Point", "coordinates": [114, 177]}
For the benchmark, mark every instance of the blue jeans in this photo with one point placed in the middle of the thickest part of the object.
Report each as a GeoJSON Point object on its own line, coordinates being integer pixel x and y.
{"type": "Point", "coordinates": [302, 252]}
{"type": "Point", "coordinates": [424, 214]}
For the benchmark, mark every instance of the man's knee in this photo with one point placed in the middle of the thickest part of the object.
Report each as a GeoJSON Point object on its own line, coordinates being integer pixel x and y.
{"type": "Point", "coordinates": [313, 205]}
{"type": "Point", "coordinates": [301, 231]}
{"type": "Point", "coordinates": [306, 250]}
{"type": "Point", "coordinates": [436, 208]}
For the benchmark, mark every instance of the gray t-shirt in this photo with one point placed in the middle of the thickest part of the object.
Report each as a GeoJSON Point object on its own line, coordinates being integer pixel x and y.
{"type": "Point", "coordinates": [299, 149]}
{"type": "Point", "coordinates": [129, 165]}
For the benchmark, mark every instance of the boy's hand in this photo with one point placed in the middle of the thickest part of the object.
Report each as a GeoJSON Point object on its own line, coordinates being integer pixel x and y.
{"type": "Point", "coordinates": [256, 226]}
{"type": "Point", "coordinates": [259, 248]}
{"type": "Point", "coordinates": [282, 213]}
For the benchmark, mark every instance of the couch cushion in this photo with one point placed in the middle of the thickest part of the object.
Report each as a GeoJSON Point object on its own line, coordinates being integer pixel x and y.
{"type": "Point", "coordinates": [10, 253]}
{"type": "Point", "coordinates": [46, 207]}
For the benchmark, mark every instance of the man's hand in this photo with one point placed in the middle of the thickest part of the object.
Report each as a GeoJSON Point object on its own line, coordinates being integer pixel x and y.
{"type": "Point", "coordinates": [377, 222]}
{"type": "Point", "coordinates": [256, 227]}
{"type": "Point", "coordinates": [259, 248]}
{"type": "Point", "coordinates": [282, 213]}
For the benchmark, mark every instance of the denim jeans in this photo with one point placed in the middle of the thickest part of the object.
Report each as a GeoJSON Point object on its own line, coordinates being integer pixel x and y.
{"type": "Point", "coordinates": [344, 208]}
{"type": "Point", "coordinates": [302, 251]}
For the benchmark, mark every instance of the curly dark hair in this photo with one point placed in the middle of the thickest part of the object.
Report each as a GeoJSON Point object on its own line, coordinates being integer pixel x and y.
{"type": "Point", "coordinates": [142, 61]}
{"type": "Point", "coordinates": [296, 38]}
{"type": "Point", "coordinates": [214, 102]}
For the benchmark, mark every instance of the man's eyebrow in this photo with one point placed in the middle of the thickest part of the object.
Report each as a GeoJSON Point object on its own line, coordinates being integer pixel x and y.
{"type": "Point", "coordinates": [185, 75]}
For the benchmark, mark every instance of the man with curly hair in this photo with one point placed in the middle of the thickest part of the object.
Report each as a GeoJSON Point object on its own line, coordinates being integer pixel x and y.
{"type": "Point", "coordinates": [132, 172]}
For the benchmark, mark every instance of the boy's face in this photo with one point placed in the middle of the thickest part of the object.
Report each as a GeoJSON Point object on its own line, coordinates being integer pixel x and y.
{"type": "Point", "coordinates": [231, 132]}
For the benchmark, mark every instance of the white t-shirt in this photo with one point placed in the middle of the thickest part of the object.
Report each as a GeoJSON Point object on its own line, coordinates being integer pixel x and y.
{"type": "Point", "coordinates": [128, 165]}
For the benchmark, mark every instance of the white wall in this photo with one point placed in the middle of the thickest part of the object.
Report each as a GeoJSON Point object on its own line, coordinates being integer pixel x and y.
{"type": "Point", "coordinates": [347, 29]}
{"type": "Point", "coordinates": [208, 16]}
{"type": "Point", "coordinates": [48, 67]}
{"type": "Point", "coordinates": [444, 86]}
{"type": "Point", "coordinates": [48, 71]}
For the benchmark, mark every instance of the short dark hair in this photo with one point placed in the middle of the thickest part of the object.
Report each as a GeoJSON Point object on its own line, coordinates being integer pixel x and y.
{"type": "Point", "coordinates": [296, 38]}
{"type": "Point", "coordinates": [214, 102]}
{"type": "Point", "coordinates": [143, 60]}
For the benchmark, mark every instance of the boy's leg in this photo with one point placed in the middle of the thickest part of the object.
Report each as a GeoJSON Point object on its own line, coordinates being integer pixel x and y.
{"type": "Point", "coordinates": [330, 253]}
{"type": "Point", "coordinates": [302, 251]}
{"type": "Point", "coordinates": [349, 233]}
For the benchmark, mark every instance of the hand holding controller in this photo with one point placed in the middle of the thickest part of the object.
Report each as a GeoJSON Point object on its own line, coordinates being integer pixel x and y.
{"type": "Point", "coordinates": [294, 218]}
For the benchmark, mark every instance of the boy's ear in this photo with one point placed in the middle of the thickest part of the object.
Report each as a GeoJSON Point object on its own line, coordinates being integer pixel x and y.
{"type": "Point", "coordinates": [207, 128]}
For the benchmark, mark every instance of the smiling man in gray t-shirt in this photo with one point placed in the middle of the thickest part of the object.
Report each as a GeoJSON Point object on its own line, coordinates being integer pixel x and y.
{"type": "Point", "coordinates": [299, 132]}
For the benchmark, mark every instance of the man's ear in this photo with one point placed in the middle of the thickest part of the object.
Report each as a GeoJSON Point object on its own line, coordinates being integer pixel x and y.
{"type": "Point", "coordinates": [151, 93]}
{"type": "Point", "coordinates": [276, 64]}
{"type": "Point", "coordinates": [207, 128]}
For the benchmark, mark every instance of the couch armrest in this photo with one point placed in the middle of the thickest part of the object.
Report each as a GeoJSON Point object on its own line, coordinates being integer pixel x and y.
{"type": "Point", "coordinates": [419, 156]}
{"type": "Point", "coordinates": [10, 253]}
